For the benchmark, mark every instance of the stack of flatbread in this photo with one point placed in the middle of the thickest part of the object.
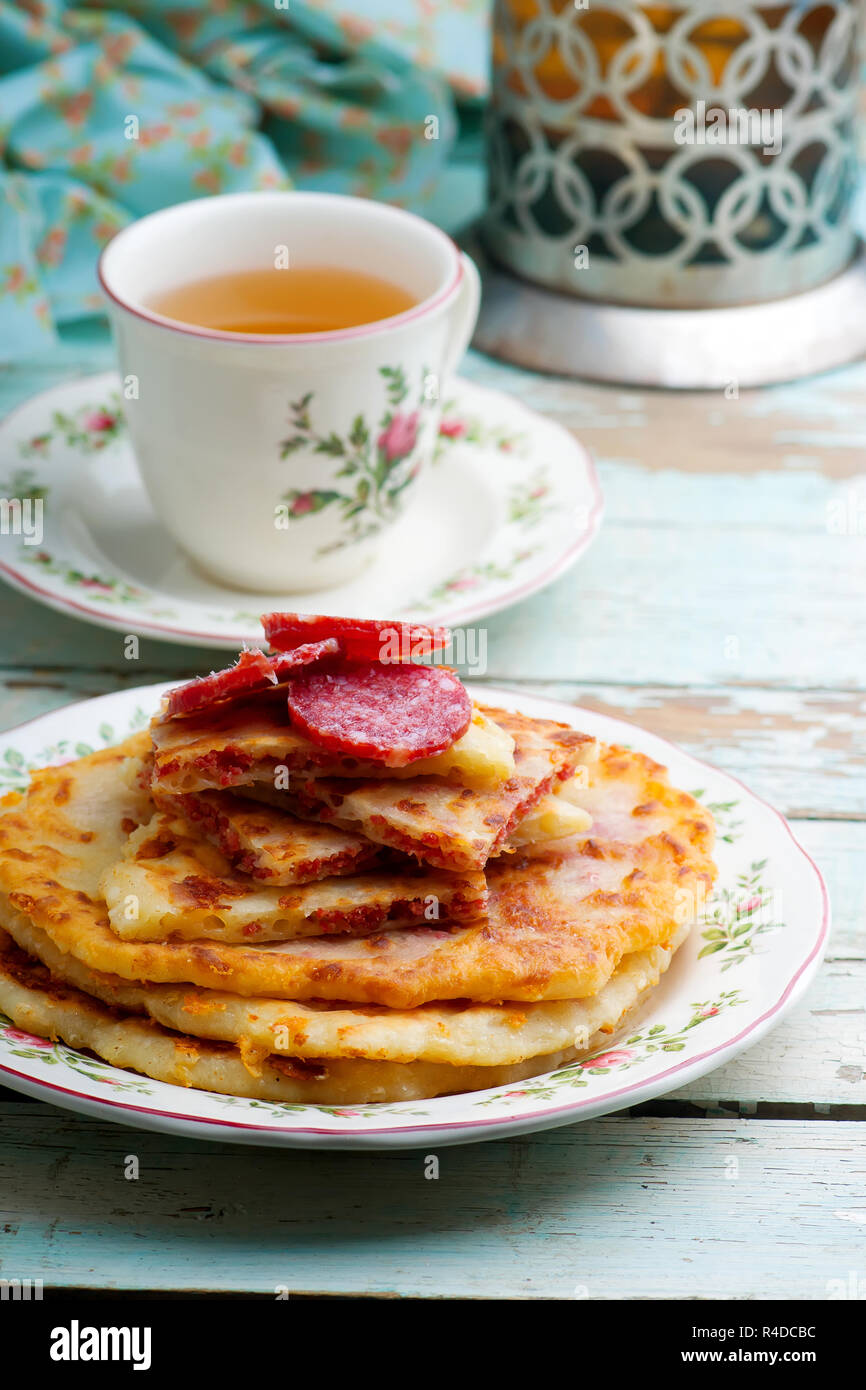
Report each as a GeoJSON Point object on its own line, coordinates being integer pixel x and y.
{"type": "Point", "coordinates": [221, 902]}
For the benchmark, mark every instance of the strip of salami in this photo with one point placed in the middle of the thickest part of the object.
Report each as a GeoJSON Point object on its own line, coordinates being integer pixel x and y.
{"type": "Point", "coordinates": [252, 671]}
{"type": "Point", "coordinates": [389, 714]}
{"type": "Point", "coordinates": [363, 639]}
{"type": "Point", "coordinates": [285, 664]}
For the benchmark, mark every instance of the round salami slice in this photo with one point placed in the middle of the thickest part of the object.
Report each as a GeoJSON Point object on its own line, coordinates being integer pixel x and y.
{"type": "Point", "coordinates": [363, 639]}
{"type": "Point", "coordinates": [253, 671]}
{"type": "Point", "coordinates": [388, 714]}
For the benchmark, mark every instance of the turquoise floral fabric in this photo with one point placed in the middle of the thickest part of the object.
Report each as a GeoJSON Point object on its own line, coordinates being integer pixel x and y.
{"type": "Point", "coordinates": [114, 108]}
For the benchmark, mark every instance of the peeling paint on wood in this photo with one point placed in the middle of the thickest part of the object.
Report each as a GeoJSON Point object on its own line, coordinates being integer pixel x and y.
{"type": "Point", "coordinates": [623, 1207]}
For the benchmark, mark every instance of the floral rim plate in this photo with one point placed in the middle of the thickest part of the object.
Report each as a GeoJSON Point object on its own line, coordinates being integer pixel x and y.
{"type": "Point", "coordinates": [749, 958]}
{"type": "Point", "coordinates": [509, 502]}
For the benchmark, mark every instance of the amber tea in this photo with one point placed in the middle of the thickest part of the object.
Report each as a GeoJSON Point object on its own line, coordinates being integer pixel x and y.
{"type": "Point", "coordinates": [305, 299]}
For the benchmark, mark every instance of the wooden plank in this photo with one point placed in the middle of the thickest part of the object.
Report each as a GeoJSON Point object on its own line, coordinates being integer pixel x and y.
{"type": "Point", "coordinates": [627, 1207]}
{"type": "Point", "coordinates": [816, 1056]}
{"type": "Point", "coordinates": [705, 606]}
{"type": "Point", "coordinates": [818, 422]}
{"type": "Point", "coordinates": [839, 850]}
{"type": "Point", "coordinates": [802, 750]}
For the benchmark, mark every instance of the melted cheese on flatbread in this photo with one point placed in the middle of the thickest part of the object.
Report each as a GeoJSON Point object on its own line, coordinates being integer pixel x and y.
{"type": "Point", "coordinates": [437, 821]}
{"type": "Point", "coordinates": [553, 818]}
{"type": "Point", "coordinates": [268, 843]}
{"type": "Point", "coordinates": [168, 884]}
{"type": "Point", "coordinates": [249, 741]}
{"type": "Point", "coordinates": [560, 917]}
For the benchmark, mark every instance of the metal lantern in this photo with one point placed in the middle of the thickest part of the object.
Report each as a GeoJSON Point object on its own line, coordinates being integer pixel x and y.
{"type": "Point", "coordinates": [696, 161]}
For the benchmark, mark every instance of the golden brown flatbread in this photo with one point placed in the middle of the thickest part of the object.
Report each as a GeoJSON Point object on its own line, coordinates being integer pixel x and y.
{"type": "Point", "coordinates": [169, 884]}
{"type": "Point", "coordinates": [250, 740]}
{"type": "Point", "coordinates": [36, 1000]}
{"type": "Point", "coordinates": [437, 821]}
{"type": "Point", "coordinates": [268, 843]}
{"type": "Point", "coordinates": [561, 916]}
{"type": "Point", "coordinates": [459, 1034]}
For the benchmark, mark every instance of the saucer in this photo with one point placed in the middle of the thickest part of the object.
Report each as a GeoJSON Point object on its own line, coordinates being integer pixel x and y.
{"type": "Point", "coordinates": [509, 502]}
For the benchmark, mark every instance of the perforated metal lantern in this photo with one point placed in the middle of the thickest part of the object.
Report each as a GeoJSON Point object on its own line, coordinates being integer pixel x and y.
{"type": "Point", "coordinates": [595, 189]}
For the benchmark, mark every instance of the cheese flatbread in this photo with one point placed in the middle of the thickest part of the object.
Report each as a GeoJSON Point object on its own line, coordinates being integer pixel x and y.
{"type": "Point", "coordinates": [560, 916]}
{"type": "Point", "coordinates": [252, 740]}
{"type": "Point", "coordinates": [457, 1034]}
{"type": "Point", "coordinates": [269, 844]}
{"type": "Point", "coordinates": [37, 1001]}
{"type": "Point", "coordinates": [437, 821]}
{"type": "Point", "coordinates": [170, 884]}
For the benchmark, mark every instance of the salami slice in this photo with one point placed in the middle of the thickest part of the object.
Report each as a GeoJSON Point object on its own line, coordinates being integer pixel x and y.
{"type": "Point", "coordinates": [389, 714]}
{"type": "Point", "coordinates": [252, 671]}
{"type": "Point", "coordinates": [285, 664]}
{"type": "Point", "coordinates": [363, 639]}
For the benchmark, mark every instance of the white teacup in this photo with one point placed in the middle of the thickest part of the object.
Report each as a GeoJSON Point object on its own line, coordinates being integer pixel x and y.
{"type": "Point", "coordinates": [278, 462]}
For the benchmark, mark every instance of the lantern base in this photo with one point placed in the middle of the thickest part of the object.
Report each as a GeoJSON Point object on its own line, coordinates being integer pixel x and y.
{"type": "Point", "coordinates": [689, 349]}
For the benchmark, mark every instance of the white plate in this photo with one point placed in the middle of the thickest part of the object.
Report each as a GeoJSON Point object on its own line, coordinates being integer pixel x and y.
{"type": "Point", "coordinates": [510, 501]}
{"type": "Point", "coordinates": [745, 964]}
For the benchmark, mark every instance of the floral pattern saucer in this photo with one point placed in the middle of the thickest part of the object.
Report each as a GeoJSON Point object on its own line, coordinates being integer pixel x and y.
{"type": "Point", "coordinates": [509, 501]}
{"type": "Point", "coordinates": [756, 945]}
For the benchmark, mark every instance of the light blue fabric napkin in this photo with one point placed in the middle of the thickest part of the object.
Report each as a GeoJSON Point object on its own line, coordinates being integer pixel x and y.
{"type": "Point", "coordinates": [110, 110]}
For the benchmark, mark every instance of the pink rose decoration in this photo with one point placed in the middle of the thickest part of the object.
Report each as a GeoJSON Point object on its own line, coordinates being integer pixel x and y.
{"type": "Point", "coordinates": [302, 504]}
{"type": "Point", "coordinates": [100, 421]}
{"type": "Point", "coordinates": [399, 438]}
{"type": "Point", "coordinates": [708, 1013]}
{"type": "Point", "coordinates": [454, 429]}
{"type": "Point", "coordinates": [348, 1114]}
{"type": "Point", "coordinates": [609, 1059]}
{"type": "Point", "coordinates": [15, 1035]}
{"type": "Point", "coordinates": [748, 907]}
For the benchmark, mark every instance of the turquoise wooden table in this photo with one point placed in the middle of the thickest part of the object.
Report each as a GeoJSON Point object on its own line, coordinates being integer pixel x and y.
{"type": "Point", "coordinates": [722, 606]}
